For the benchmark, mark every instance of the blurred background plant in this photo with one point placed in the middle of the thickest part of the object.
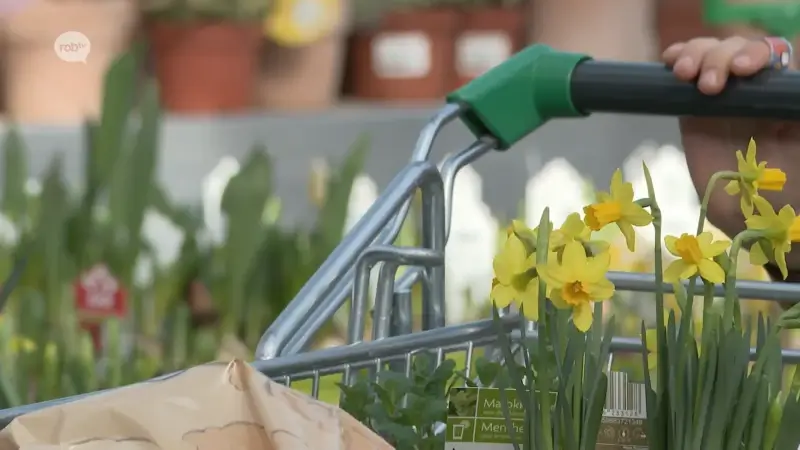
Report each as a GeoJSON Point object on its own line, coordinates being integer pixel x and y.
{"type": "Point", "coordinates": [187, 299]}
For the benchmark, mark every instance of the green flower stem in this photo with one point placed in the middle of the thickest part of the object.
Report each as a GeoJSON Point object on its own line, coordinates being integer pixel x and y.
{"type": "Point", "coordinates": [724, 175]}
{"type": "Point", "coordinates": [661, 331]}
{"type": "Point", "coordinates": [542, 246]}
{"type": "Point", "coordinates": [701, 221]}
{"type": "Point", "coordinates": [730, 274]}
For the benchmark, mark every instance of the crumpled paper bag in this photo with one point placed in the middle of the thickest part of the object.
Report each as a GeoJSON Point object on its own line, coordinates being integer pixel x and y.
{"type": "Point", "coordinates": [209, 407]}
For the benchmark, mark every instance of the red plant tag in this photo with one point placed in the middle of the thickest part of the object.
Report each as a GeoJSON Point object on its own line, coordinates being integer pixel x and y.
{"type": "Point", "coordinates": [98, 295]}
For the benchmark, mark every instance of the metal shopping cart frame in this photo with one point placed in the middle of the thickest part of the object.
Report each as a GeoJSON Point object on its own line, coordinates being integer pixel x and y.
{"type": "Point", "coordinates": [501, 107]}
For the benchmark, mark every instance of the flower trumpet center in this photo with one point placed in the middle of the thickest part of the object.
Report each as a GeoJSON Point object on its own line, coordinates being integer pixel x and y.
{"type": "Point", "coordinates": [598, 215]}
{"type": "Point", "coordinates": [575, 293]}
{"type": "Point", "coordinates": [688, 249]}
{"type": "Point", "coordinates": [771, 180]}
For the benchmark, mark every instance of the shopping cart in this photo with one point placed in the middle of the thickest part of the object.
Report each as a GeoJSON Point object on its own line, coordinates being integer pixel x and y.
{"type": "Point", "coordinates": [500, 108]}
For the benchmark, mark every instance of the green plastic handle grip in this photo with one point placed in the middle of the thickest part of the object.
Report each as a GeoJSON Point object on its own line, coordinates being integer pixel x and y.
{"type": "Point", "coordinates": [518, 96]}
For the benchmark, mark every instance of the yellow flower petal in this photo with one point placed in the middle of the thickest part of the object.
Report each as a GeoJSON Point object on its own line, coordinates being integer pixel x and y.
{"type": "Point", "coordinates": [596, 267]}
{"type": "Point", "coordinates": [763, 206]}
{"type": "Point", "coordinates": [758, 223]}
{"type": "Point", "coordinates": [557, 300]}
{"type": "Point", "coordinates": [670, 242]}
{"type": "Point", "coordinates": [757, 255]}
{"type": "Point", "coordinates": [529, 300]}
{"type": "Point", "coordinates": [674, 271]}
{"type": "Point", "coordinates": [574, 256]}
{"type": "Point", "coordinates": [511, 260]}
{"type": "Point", "coordinates": [786, 216]}
{"type": "Point", "coordinates": [502, 295]}
{"type": "Point", "coordinates": [553, 275]}
{"type": "Point", "coordinates": [636, 215]}
{"type": "Point", "coordinates": [751, 152]}
{"type": "Point", "coordinates": [601, 290]}
{"type": "Point", "coordinates": [630, 235]}
{"type": "Point", "coordinates": [582, 316]}
{"type": "Point", "coordinates": [573, 226]}
{"type": "Point", "coordinates": [732, 188]}
{"type": "Point", "coordinates": [780, 261]}
{"type": "Point", "coordinates": [711, 271]}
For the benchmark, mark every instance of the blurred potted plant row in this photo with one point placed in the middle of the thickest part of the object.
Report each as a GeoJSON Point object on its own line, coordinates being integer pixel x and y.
{"type": "Point", "coordinates": [229, 56]}
{"type": "Point", "coordinates": [96, 303]}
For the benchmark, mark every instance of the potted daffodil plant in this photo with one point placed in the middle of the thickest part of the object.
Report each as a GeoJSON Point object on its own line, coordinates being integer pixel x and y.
{"type": "Point", "coordinates": [705, 388]}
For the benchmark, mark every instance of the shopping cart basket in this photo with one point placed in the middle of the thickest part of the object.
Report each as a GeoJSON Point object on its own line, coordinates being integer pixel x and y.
{"type": "Point", "coordinates": [500, 108]}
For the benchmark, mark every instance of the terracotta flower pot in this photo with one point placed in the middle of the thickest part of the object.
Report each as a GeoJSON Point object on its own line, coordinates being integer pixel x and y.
{"type": "Point", "coordinates": [205, 67]}
{"type": "Point", "coordinates": [409, 56]}
{"type": "Point", "coordinates": [487, 37]}
{"type": "Point", "coordinates": [40, 87]}
{"type": "Point", "coordinates": [303, 63]}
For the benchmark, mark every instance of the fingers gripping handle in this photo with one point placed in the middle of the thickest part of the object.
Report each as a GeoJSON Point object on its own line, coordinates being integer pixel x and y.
{"type": "Point", "coordinates": [539, 84]}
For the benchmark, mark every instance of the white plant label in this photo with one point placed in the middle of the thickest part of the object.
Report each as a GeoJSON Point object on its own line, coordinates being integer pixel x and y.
{"type": "Point", "coordinates": [479, 51]}
{"type": "Point", "coordinates": [72, 46]}
{"type": "Point", "coordinates": [401, 55]}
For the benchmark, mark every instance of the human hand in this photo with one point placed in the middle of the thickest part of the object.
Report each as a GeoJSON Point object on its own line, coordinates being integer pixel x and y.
{"type": "Point", "coordinates": [710, 143]}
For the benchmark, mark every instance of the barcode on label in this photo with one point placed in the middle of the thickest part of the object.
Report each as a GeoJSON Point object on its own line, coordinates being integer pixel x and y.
{"type": "Point", "coordinates": [624, 398]}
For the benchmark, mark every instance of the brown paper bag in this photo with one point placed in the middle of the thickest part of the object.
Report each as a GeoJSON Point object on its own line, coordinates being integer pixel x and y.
{"type": "Point", "coordinates": [210, 407]}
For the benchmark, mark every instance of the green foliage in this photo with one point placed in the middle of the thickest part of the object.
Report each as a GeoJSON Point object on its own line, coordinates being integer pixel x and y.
{"type": "Point", "coordinates": [403, 409]}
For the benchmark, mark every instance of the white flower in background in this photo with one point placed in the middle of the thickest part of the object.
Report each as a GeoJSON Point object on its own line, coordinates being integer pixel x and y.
{"type": "Point", "coordinates": [33, 187]}
{"type": "Point", "coordinates": [557, 185]}
{"type": "Point", "coordinates": [470, 249]}
{"type": "Point", "coordinates": [673, 186]}
{"type": "Point", "coordinates": [362, 195]}
{"type": "Point", "coordinates": [163, 236]}
{"type": "Point", "coordinates": [143, 271]}
{"type": "Point", "coordinates": [214, 185]}
{"type": "Point", "coordinates": [9, 235]}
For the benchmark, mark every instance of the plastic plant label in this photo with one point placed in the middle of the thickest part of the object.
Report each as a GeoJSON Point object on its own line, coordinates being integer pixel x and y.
{"type": "Point", "coordinates": [98, 295]}
{"type": "Point", "coordinates": [476, 421]}
{"type": "Point", "coordinates": [479, 51]}
{"type": "Point", "coordinates": [401, 55]}
{"type": "Point", "coordinates": [624, 425]}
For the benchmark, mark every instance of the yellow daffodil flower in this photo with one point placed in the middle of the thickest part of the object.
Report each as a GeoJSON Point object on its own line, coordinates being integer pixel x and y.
{"type": "Point", "coordinates": [574, 230]}
{"type": "Point", "coordinates": [577, 281]}
{"type": "Point", "coordinates": [695, 256]}
{"type": "Point", "coordinates": [781, 230]}
{"type": "Point", "coordinates": [755, 176]}
{"type": "Point", "coordinates": [617, 207]}
{"type": "Point", "coordinates": [515, 277]}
